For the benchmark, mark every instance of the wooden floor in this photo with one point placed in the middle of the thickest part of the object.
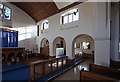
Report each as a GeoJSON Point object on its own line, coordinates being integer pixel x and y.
{"type": "Point", "coordinates": [73, 74]}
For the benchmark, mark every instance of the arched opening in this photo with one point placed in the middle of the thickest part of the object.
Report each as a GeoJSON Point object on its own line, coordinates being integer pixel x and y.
{"type": "Point", "coordinates": [44, 49]}
{"type": "Point", "coordinates": [44, 42]}
{"type": "Point", "coordinates": [19, 57]}
{"type": "Point", "coordinates": [59, 47]}
{"type": "Point", "coordinates": [11, 59]}
{"type": "Point", "coordinates": [83, 46]}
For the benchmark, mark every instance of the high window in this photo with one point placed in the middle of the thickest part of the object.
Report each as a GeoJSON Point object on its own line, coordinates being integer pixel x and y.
{"type": "Point", "coordinates": [45, 25]}
{"type": "Point", "coordinates": [1, 10]}
{"type": "Point", "coordinates": [5, 12]}
{"type": "Point", "coordinates": [70, 16]}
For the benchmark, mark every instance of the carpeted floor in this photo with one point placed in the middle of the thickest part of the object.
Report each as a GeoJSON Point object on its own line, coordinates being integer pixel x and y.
{"type": "Point", "coordinates": [21, 72]}
{"type": "Point", "coordinates": [8, 68]}
{"type": "Point", "coordinates": [18, 74]}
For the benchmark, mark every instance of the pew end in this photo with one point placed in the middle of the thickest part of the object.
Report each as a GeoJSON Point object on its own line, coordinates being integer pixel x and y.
{"type": "Point", "coordinates": [86, 76]}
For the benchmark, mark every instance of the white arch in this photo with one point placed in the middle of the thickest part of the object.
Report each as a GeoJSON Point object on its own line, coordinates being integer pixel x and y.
{"type": "Point", "coordinates": [59, 39]}
{"type": "Point", "coordinates": [79, 36]}
{"type": "Point", "coordinates": [44, 42]}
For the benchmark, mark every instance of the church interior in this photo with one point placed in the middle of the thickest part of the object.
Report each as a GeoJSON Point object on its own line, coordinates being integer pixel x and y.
{"type": "Point", "coordinates": [60, 41]}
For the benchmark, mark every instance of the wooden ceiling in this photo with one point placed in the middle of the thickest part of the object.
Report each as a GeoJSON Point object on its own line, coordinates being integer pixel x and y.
{"type": "Point", "coordinates": [41, 10]}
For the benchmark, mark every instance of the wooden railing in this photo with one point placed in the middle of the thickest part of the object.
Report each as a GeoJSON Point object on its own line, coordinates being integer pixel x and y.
{"type": "Point", "coordinates": [41, 68]}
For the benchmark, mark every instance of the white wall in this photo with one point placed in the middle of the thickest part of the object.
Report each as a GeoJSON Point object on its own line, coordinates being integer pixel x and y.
{"type": "Point", "coordinates": [101, 34]}
{"type": "Point", "coordinates": [21, 19]}
{"type": "Point", "coordinates": [92, 21]}
{"type": "Point", "coordinates": [79, 27]}
{"type": "Point", "coordinates": [115, 32]}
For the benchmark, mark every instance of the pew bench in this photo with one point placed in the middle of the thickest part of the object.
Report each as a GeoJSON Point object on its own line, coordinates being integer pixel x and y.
{"type": "Point", "coordinates": [99, 73]}
{"type": "Point", "coordinates": [107, 71]}
{"type": "Point", "coordinates": [115, 64]}
{"type": "Point", "coordinates": [88, 76]}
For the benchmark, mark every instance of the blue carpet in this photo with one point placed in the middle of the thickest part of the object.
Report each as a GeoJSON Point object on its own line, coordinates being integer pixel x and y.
{"type": "Point", "coordinates": [24, 74]}
{"type": "Point", "coordinates": [13, 67]}
{"type": "Point", "coordinates": [21, 72]}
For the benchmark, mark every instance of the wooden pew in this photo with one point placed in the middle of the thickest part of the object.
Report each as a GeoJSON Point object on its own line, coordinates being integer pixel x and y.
{"type": "Point", "coordinates": [87, 76]}
{"type": "Point", "coordinates": [106, 71]}
{"type": "Point", "coordinates": [115, 64]}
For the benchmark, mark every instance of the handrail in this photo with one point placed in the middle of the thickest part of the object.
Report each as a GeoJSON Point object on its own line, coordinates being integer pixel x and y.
{"type": "Point", "coordinates": [41, 68]}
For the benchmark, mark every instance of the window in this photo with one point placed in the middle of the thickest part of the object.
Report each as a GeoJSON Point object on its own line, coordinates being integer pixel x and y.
{"type": "Point", "coordinates": [37, 30]}
{"type": "Point", "coordinates": [5, 12]}
{"type": "Point", "coordinates": [45, 25]}
{"type": "Point", "coordinates": [75, 45]}
{"type": "Point", "coordinates": [21, 33]}
{"type": "Point", "coordinates": [21, 37]}
{"type": "Point", "coordinates": [70, 16]}
{"type": "Point", "coordinates": [85, 45]}
{"type": "Point", "coordinates": [65, 18]}
{"type": "Point", "coordinates": [24, 32]}
{"type": "Point", "coordinates": [1, 10]}
{"type": "Point", "coordinates": [1, 6]}
{"type": "Point", "coordinates": [28, 35]}
{"type": "Point", "coordinates": [21, 30]}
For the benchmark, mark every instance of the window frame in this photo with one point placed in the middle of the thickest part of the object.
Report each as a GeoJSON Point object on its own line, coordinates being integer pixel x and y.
{"type": "Point", "coordinates": [1, 9]}
{"type": "Point", "coordinates": [2, 14]}
{"type": "Point", "coordinates": [85, 46]}
{"type": "Point", "coordinates": [25, 33]}
{"type": "Point", "coordinates": [5, 12]}
{"type": "Point", "coordinates": [45, 25]}
{"type": "Point", "coordinates": [68, 15]}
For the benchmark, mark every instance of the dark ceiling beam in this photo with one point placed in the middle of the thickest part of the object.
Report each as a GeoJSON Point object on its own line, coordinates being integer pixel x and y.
{"type": "Point", "coordinates": [48, 10]}
{"type": "Point", "coordinates": [41, 10]}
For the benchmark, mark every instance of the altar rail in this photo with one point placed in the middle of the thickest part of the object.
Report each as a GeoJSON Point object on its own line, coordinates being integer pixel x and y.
{"type": "Point", "coordinates": [41, 68]}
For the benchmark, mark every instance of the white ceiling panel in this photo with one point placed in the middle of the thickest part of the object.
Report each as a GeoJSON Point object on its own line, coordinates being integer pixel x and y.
{"type": "Point", "coordinates": [61, 5]}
